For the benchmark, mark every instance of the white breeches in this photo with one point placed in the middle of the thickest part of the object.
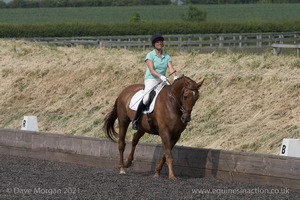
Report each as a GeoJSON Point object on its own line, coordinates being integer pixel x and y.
{"type": "Point", "coordinates": [149, 85]}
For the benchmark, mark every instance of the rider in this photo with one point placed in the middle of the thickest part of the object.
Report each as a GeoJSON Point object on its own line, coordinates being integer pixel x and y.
{"type": "Point", "coordinates": [157, 62]}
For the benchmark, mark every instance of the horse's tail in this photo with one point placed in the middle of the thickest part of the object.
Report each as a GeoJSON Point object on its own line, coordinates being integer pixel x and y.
{"type": "Point", "coordinates": [109, 122]}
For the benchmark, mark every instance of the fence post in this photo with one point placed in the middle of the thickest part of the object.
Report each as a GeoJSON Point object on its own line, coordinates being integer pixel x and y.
{"type": "Point", "coordinates": [258, 38]}
{"type": "Point", "coordinates": [200, 41]}
{"type": "Point", "coordinates": [180, 42]}
{"type": "Point", "coordinates": [240, 43]}
{"type": "Point", "coordinates": [281, 39]}
{"type": "Point", "coordinates": [221, 41]}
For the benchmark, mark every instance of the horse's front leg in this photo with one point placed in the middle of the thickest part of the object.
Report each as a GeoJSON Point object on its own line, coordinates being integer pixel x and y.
{"type": "Point", "coordinates": [136, 138]}
{"type": "Point", "coordinates": [159, 166]}
{"type": "Point", "coordinates": [169, 160]}
{"type": "Point", "coordinates": [168, 145]}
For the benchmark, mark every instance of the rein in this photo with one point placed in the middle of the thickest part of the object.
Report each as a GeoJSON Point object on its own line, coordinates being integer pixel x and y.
{"type": "Point", "coordinates": [182, 109]}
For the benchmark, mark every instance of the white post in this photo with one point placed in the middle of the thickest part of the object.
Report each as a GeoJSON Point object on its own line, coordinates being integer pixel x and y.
{"type": "Point", "coordinates": [290, 147]}
{"type": "Point", "coordinates": [29, 123]}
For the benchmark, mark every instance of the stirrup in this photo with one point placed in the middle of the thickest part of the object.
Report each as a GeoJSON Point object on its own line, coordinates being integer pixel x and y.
{"type": "Point", "coordinates": [135, 125]}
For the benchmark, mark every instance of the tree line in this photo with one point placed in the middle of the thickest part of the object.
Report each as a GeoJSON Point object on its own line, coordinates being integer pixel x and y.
{"type": "Point", "coordinates": [95, 3]}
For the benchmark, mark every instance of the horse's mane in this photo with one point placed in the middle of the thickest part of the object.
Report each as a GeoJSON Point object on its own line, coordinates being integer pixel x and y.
{"type": "Point", "coordinates": [188, 82]}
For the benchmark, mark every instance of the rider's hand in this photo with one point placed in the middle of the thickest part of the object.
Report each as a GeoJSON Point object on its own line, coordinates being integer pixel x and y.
{"type": "Point", "coordinates": [163, 78]}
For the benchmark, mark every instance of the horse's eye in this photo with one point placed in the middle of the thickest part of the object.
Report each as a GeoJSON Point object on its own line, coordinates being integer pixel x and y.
{"type": "Point", "coordinates": [185, 97]}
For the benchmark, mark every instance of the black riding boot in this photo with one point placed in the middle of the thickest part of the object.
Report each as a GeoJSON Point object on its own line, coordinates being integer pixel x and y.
{"type": "Point", "coordinates": [137, 116]}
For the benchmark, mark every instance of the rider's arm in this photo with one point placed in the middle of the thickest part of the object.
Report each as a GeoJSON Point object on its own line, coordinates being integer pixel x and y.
{"type": "Point", "coordinates": [150, 65]}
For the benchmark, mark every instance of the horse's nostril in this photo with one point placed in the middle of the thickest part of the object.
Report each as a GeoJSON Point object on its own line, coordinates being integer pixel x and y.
{"type": "Point", "coordinates": [182, 119]}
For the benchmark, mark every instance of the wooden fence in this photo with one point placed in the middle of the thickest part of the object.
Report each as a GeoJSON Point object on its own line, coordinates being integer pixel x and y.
{"type": "Point", "coordinates": [182, 42]}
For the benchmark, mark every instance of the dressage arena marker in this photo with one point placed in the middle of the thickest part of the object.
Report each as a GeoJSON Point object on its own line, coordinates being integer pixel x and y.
{"type": "Point", "coordinates": [290, 147]}
{"type": "Point", "coordinates": [29, 123]}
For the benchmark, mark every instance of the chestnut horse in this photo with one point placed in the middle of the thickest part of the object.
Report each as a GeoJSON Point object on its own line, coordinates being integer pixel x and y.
{"type": "Point", "coordinates": [171, 115]}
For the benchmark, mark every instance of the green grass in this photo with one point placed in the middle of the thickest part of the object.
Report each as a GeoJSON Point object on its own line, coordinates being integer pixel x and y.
{"type": "Point", "coordinates": [223, 13]}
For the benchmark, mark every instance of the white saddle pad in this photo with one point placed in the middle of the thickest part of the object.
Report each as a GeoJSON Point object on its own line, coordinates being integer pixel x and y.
{"type": "Point", "coordinates": [137, 97]}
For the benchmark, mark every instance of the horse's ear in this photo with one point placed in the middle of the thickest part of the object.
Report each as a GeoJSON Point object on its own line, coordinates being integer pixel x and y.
{"type": "Point", "coordinates": [200, 83]}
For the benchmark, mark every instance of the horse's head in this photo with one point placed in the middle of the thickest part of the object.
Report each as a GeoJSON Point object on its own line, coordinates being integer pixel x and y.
{"type": "Point", "coordinates": [187, 93]}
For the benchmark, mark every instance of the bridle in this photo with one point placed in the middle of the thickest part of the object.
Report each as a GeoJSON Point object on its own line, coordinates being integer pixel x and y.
{"type": "Point", "coordinates": [181, 107]}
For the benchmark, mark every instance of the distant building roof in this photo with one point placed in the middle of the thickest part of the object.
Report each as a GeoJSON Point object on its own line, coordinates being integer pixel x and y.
{"type": "Point", "coordinates": [7, 1]}
{"type": "Point", "coordinates": [179, 2]}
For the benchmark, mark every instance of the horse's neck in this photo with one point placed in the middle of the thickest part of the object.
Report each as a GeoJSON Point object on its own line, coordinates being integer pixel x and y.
{"type": "Point", "coordinates": [177, 88]}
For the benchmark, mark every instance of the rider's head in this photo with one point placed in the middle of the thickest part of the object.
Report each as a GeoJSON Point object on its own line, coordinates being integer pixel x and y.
{"type": "Point", "coordinates": [156, 37]}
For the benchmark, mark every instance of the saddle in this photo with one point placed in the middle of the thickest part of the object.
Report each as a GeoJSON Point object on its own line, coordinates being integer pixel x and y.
{"type": "Point", "coordinates": [137, 98]}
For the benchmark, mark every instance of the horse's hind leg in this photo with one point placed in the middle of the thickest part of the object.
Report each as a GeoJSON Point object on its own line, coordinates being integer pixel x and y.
{"type": "Point", "coordinates": [122, 133]}
{"type": "Point", "coordinates": [136, 138]}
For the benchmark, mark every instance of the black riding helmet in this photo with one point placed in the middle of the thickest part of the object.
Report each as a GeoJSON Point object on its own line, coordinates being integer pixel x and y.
{"type": "Point", "coordinates": [156, 37]}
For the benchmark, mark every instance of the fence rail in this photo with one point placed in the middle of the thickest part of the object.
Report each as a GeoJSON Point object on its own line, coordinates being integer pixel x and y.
{"type": "Point", "coordinates": [182, 42]}
{"type": "Point", "coordinates": [277, 48]}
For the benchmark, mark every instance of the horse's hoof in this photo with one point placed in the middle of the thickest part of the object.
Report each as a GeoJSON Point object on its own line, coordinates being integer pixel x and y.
{"type": "Point", "coordinates": [122, 171]}
{"type": "Point", "coordinates": [156, 175]}
{"type": "Point", "coordinates": [172, 178]}
{"type": "Point", "coordinates": [128, 164]}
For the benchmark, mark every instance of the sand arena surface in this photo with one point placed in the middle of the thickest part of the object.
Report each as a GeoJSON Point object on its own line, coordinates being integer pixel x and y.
{"type": "Point", "coordinates": [27, 178]}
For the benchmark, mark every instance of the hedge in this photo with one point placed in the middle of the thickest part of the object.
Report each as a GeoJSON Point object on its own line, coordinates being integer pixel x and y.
{"type": "Point", "coordinates": [142, 28]}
